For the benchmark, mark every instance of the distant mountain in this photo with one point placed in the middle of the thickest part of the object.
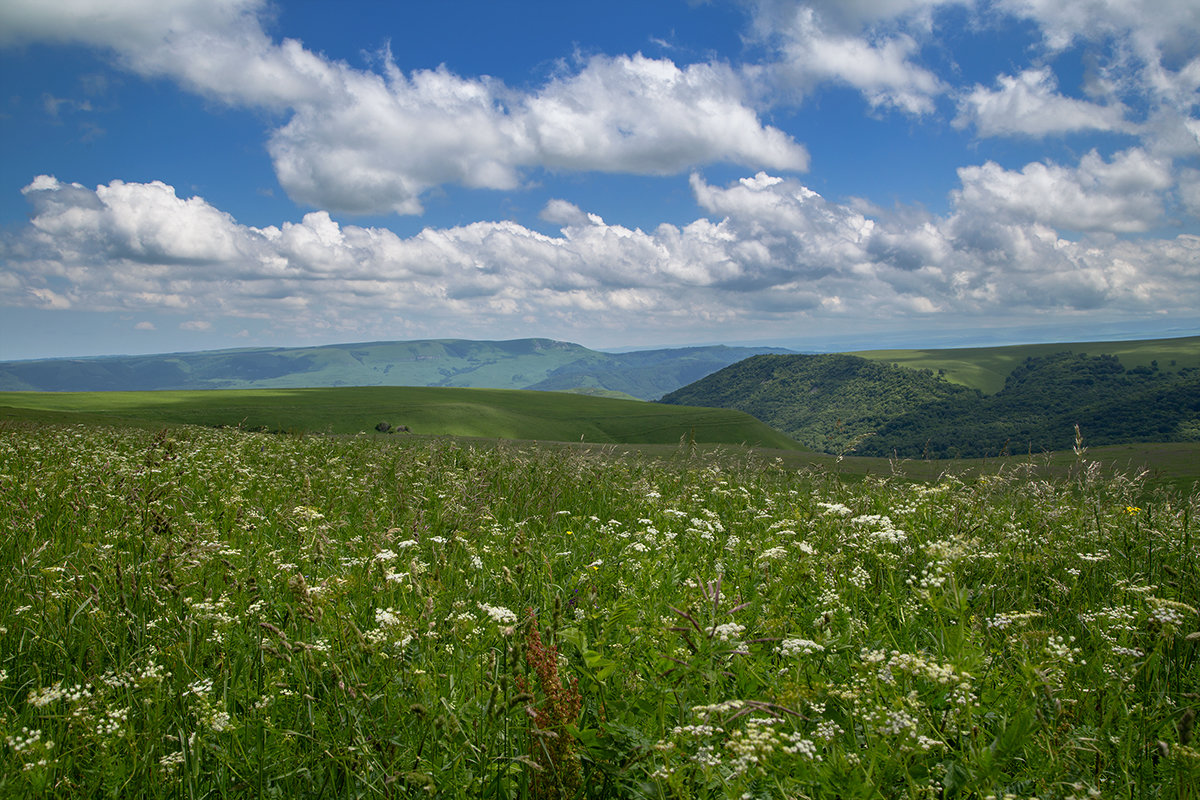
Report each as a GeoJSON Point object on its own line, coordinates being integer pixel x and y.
{"type": "Point", "coordinates": [542, 364]}
{"type": "Point", "coordinates": [834, 403]}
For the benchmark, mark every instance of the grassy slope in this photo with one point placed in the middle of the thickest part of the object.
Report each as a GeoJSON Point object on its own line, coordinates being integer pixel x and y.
{"type": "Point", "coordinates": [496, 413]}
{"type": "Point", "coordinates": [985, 368]}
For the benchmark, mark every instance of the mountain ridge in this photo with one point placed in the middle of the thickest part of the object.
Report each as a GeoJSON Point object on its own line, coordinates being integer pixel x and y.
{"type": "Point", "coordinates": [529, 363]}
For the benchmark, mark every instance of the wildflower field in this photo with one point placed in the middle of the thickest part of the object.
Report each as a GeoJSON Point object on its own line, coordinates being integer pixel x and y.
{"type": "Point", "coordinates": [214, 613]}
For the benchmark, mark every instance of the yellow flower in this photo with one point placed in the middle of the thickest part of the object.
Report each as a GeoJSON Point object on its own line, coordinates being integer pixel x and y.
{"type": "Point", "coordinates": [1132, 510]}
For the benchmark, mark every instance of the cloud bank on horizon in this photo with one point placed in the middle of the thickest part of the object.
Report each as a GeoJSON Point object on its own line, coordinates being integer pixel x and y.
{"type": "Point", "coordinates": [1075, 192]}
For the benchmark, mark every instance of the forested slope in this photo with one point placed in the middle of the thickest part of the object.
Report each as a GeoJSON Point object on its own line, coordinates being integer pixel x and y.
{"type": "Point", "coordinates": [826, 402]}
{"type": "Point", "coordinates": [1041, 403]}
{"type": "Point", "coordinates": [834, 403]}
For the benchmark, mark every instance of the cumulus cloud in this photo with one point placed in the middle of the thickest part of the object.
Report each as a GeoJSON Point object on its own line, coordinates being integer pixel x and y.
{"type": "Point", "coordinates": [1146, 51]}
{"type": "Point", "coordinates": [1155, 26]}
{"type": "Point", "coordinates": [1123, 195]}
{"type": "Point", "coordinates": [768, 249]}
{"type": "Point", "coordinates": [830, 42]}
{"type": "Point", "coordinates": [365, 141]}
{"type": "Point", "coordinates": [382, 140]}
{"type": "Point", "coordinates": [1189, 191]}
{"type": "Point", "coordinates": [1029, 104]}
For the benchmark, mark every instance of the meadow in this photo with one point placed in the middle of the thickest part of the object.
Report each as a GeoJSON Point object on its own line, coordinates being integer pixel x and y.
{"type": "Point", "coordinates": [201, 613]}
{"type": "Point", "coordinates": [502, 413]}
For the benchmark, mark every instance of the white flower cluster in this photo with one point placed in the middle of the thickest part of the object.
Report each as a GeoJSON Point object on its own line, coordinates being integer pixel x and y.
{"type": "Point", "coordinates": [728, 631]}
{"type": "Point", "coordinates": [882, 528]}
{"type": "Point", "coordinates": [386, 618]}
{"type": "Point", "coordinates": [22, 741]}
{"type": "Point", "coordinates": [47, 695]}
{"type": "Point", "coordinates": [1059, 648]}
{"type": "Point", "coordinates": [773, 554]}
{"type": "Point", "coordinates": [1168, 612]}
{"type": "Point", "coordinates": [752, 745]}
{"type": "Point", "coordinates": [802, 747]}
{"type": "Point", "coordinates": [795, 647]}
{"type": "Point", "coordinates": [499, 614]}
{"type": "Point", "coordinates": [837, 509]}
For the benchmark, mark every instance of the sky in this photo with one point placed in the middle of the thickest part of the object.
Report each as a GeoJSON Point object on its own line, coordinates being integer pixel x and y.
{"type": "Point", "coordinates": [856, 174]}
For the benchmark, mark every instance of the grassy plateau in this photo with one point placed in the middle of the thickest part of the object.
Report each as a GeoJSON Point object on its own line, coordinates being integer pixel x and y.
{"type": "Point", "coordinates": [202, 613]}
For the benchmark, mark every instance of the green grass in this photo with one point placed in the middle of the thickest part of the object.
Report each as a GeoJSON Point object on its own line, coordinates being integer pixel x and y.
{"type": "Point", "coordinates": [498, 413]}
{"type": "Point", "coordinates": [215, 613]}
{"type": "Point", "coordinates": [985, 368]}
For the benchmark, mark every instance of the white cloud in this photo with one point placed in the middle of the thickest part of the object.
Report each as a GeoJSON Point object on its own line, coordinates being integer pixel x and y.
{"type": "Point", "coordinates": [1154, 26]}
{"type": "Point", "coordinates": [1189, 191]}
{"type": "Point", "coordinates": [769, 250]}
{"type": "Point", "coordinates": [365, 141]}
{"type": "Point", "coordinates": [142, 222]}
{"type": "Point", "coordinates": [381, 141]}
{"type": "Point", "coordinates": [853, 14]}
{"type": "Point", "coordinates": [1123, 195]}
{"type": "Point", "coordinates": [1147, 51]}
{"type": "Point", "coordinates": [818, 43]}
{"type": "Point", "coordinates": [1029, 104]}
{"type": "Point", "coordinates": [144, 326]}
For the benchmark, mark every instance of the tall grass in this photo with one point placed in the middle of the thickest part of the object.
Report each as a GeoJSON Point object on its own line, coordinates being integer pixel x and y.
{"type": "Point", "coordinates": [205, 613]}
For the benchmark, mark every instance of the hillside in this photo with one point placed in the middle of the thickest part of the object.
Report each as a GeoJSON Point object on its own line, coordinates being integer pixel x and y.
{"type": "Point", "coordinates": [987, 368]}
{"type": "Point", "coordinates": [822, 401]}
{"type": "Point", "coordinates": [491, 413]}
{"type": "Point", "coordinates": [1042, 401]}
{"type": "Point", "coordinates": [542, 364]}
{"type": "Point", "coordinates": [833, 402]}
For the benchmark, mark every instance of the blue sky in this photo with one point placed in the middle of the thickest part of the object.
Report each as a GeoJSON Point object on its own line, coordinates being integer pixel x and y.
{"type": "Point", "coordinates": [197, 174]}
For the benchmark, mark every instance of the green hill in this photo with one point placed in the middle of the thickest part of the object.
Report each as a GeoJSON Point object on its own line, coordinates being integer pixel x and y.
{"type": "Point", "coordinates": [826, 402]}
{"type": "Point", "coordinates": [492, 413]}
{"type": "Point", "coordinates": [987, 368]}
{"type": "Point", "coordinates": [542, 364]}
{"type": "Point", "coordinates": [834, 402]}
{"type": "Point", "coordinates": [1042, 401]}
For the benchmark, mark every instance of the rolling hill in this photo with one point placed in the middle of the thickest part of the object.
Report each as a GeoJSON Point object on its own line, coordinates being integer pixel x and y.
{"type": "Point", "coordinates": [826, 402]}
{"type": "Point", "coordinates": [835, 403]}
{"type": "Point", "coordinates": [542, 364]}
{"type": "Point", "coordinates": [987, 368]}
{"type": "Point", "coordinates": [491, 413]}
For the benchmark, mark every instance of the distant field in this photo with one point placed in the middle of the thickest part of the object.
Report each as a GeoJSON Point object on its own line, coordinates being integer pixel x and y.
{"type": "Point", "coordinates": [985, 368]}
{"type": "Point", "coordinates": [494, 413]}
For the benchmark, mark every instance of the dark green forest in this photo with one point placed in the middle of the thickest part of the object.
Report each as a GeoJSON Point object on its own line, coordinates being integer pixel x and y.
{"type": "Point", "coordinates": [844, 403]}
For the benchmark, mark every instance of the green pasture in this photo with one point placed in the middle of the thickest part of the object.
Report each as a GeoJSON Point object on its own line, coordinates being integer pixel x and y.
{"type": "Point", "coordinates": [985, 368]}
{"type": "Point", "coordinates": [493, 413]}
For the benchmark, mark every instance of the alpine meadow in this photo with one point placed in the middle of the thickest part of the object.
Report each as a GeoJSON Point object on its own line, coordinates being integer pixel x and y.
{"type": "Point", "coordinates": [195, 612]}
{"type": "Point", "coordinates": [536, 400]}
